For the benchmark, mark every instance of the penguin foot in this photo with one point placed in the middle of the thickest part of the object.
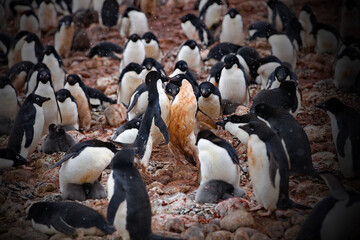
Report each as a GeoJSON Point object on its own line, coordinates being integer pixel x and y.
{"type": "Point", "coordinates": [97, 191]}
{"type": "Point", "coordinates": [73, 192]}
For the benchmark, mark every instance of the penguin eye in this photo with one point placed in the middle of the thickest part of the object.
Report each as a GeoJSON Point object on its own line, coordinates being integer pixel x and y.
{"type": "Point", "coordinates": [137, 123]}
{"type": "Point", "coordinates": [37, 99]}
{"type": "Point", "coordinates": [177, 89]}
{"type": "Point", "coordinates": [252, 129]}
{"type": "Point", "coordinates": [17, 157]}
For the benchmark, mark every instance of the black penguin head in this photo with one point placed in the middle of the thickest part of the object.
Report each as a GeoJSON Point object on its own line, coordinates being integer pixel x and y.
{"type": "Point", "coordinates": [36, 99]}
{"type": "Point", "coordinates": [62, 95]}
{"type": "Point", "coordinates": [282, 73]}
{"type": "Point", "coordinates": [307, 8]}
{"type": "Point", "coordinates": [52, 128]}
{"type": "Point", "coordinates": [182, 65]}
{"type": "Point", "coordinates": [258, 128]}
{"type": "Point", "coordinates": [151, 79]}
{"type": "Point", "coordinates": [67, 20]}
{"type": "Point", "coordinates": [123, 158]}
{"type": "Point", "coordinates": [44, 76]}
{"type": "Point", "coordinates": [172, 89]}
{"type": "Point", "coordinates": [206, 134]}
{"type": "Point", "coordinates": [191, 44]}
{"type": "Point", "coordinates": [234, 119]}
{"type": "Point", "coordinates": [148, 36]}
{"type": "Point", "coordinates": [128, 10]}
{"type": "Point", "coordinates": [264, 111]}
{"type": "Point", "coordinates": [4, 81]}
{"type": "Point", "coordinates": [31, 37]}
{"type": "Point", "coordinates": [135, 67]}
{"type": "Point", "coordinates": [72, 79]}
{"type": "Point", "coordinates": [29, 13]}
{"type": "Point", "coordinates": [134, 37]}
{"type": "Point", "coordinates": [206, 89]}
{"type": "Point", "coordinates": [230, 60]}
{"type": "Point", "coordinates": [10, 154]}
{"type": "Point", "coordinates": [134, 123]}
{"type": "Point", "coordinates": [249, 54]}
{"type": "Point", "coordinates": [332, 105]}
{"type": "Point", "coordinates": [48, 50]}
{"type": "Point", "coordinates": [188, 17]}
{"type": "Point", "coordinates": [233, 12]}
{"type": "Point", "coordinates": [148, 63]}
{"type": "Point", "coordinates": [270, 30]}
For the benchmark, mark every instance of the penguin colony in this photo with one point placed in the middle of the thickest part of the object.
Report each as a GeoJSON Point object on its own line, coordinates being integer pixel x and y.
{"type": "Point", "coordinates": [214, 74]}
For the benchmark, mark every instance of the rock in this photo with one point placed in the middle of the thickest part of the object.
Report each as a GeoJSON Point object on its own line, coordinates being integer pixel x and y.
{"type": "Point", "coordinates": [244, 233]}
{"type": "Point", "coordinates": [193, 233]}
{"type": "Point", "coordinates": [315, 133]}
{"type": "Point", "coordinates": [45, 188]}
{"type": "Point", "coordinates": [81, 41]}
{"type": "Point", "coordinates": [159, 221]}
{"type": "Point", "coordinates": [291, 233]}
{"type": "Point", "coordinates": [229, 205]}
{"type": "Point", "coordinates": [321, 158]}
{"type": "Point", "coordinates": [219, 235]}
{"type": "Point", "coordinates": [241, 110]}
{"type": "Point", "coordinates": [234, 220]}
{"type": "Point", "coordinates": [60, 236]}
{"type": "Point", "coordinates": [175, 225]}
{"type": "Point", "coordinates": [308, 187]}
{"type": "Point", "coordinates": [35, 235]}
{"type": "Point", "coordinates": [259, 236]}
{"type": "Point", "coordinates": [275, 229]}
{"type": "Point", "coordinates": [115, 114]}
{"type": "Point", "coordinates": [168, 234]}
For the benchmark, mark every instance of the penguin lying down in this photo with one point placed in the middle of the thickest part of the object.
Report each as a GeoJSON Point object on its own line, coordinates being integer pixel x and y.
{"type": "Point", "coordinates": [68, 218]}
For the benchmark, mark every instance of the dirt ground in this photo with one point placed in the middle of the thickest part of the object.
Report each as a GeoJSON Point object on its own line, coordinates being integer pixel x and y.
{"type": "Point", "coordinates": [20, 187]}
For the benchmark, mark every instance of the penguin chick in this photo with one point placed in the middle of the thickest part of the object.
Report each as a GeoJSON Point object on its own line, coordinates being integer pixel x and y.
{"type": "Point", "coordinates": [134, 52]}
{"type": "Point", "coordinates": [68, 108]}
{"type": "Point", "coordinates": [57, 140]}
{"type": "Point", "coordinates": [213, 191]}
{"type": "Point", "coordinates": [133, 21]}
{"type": "Point", "coordinates": [106, 49]}
{"type": "Point", "coordinates": [129, 80]}
{"type": "Point", "coordinates": [345, 132]}
{"type": "Point", "coordinates": [127, 132]}
{"type": "Point", "coordinates": [81, 168]}
{"type": "Point", "coordinates": [190, 53]}
{"type": "Point", "coordinates": [64, 36]}
{"type": "Point", "coordinates": [79, 91]}
{"type": "Point", "coordinates": [98, 98]}
{"type": "Point", "coordinates": [152, 46]}
{"type": "Point", "coordinates": [219, 51]}
{"type": "Point", "coordinates": [138, 102]}
{"type": "Point", "coordinates": [9, 158]}
{"type": "Point", "coordinates": [27, 128]}
{"type": "Point", "coordinates": [8, 97]}
{"type": "Point", "coordinates": [218, 160]}
{"type": "Point", "coordinates": [195, 29]}
{"type": "Point", "coordinates": [232, 28]}
{"type": "Point", "coordinates": [67, 218]}
{"type": "Point", "coordinates": [17, 74]}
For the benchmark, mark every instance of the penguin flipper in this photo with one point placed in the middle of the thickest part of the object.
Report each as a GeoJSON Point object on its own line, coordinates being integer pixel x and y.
{"type": "Point", "coordinates": [159, 122]}
{"type": "Point", "coordinates": [113, 56]}
{"type": "Point", "coordinates": [133, 101]}
{"type": "Point", "coordinates": [65, 158]}
{"type": "Point", "coordinates": [29, 134]}
{"type": "Point", "coordinates": [117, 198]}
{"type": "Point", "coordinates": [340, 141]}
{"type": "Point", "coordinates": [61, 226]}
{"type": "Point", "coordinates": [336, 188]}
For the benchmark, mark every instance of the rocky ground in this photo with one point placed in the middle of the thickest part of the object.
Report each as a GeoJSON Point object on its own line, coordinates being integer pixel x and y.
{"type": "Point", "coordinates": [170, 188]}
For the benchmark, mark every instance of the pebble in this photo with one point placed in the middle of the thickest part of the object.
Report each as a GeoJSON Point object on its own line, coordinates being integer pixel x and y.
{"type": "Point", "coordinates": [244, 233]}
{"type": "Point", "coordinates": [234, 220]}
{"type": "Point", "coordinates": [174, 225]}
{"type": "Point", "coordinates": [315, 133]}
{"type": "Point", "coordinates": [45, 188]}
{"type": "Point", "coordinates": [259, 236]}
{"type": "Point", "coordinates": [193, 233]}
{"type": "Point", "coordinates": [209, 228]}
{"type": "Point", "coordinates": [220, 235]}
{"type": "Point", "coordinates": [291, 233]}
{"type": "Point", "coordinates": [275, 229]}
{"type": "Point", "coordinates": [115, 114]}
{"type": "Point", "coordinates": [229, 205]}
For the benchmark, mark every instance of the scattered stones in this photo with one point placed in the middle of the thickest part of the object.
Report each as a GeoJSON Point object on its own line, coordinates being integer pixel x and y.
{"type": "Point", "coordinates": [275, 229]}
{"type": "Point", "coordinates": [209, 228]}
{"type": "Point", "coordinates": [115, 114]}
{"type": "Point", "coordinates": [236, 219]}
{"type": "Point", "coordinates": [174, 225]}
{"type": "Point", "coordinates": [291, 233]}
{"type": "Point", "coordinates": [244, 233]}
{"type": "Point", "coordinates": [193, 233]}
{"type": "Point", "coordinates": [229, 205]}
{"type": "Point", "coordinates": [259, 236]}
{"type": "Point", "coordinates": [315, 133]}
{"type": "Point", "coordinates": [219, 235]}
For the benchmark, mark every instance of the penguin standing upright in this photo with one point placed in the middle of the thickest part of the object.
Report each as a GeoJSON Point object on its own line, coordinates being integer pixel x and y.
{"type": "Point", "coordinates": [109, 16]}
{"type": "Point", "coordinates": [14, 51]}
{"type": "Point", "coordinates": [211, 13]}
{"type": "Point", "coordinates": [29, 122]}
{"type": "Point", "coordinates": [247, 56]}
{"type": "Point", "coordinates": [56, 66]}
{"type": "Point", "coordinates": [64, 36]}
{"type": "Point", "coordinates": [9, 158]}
{"type": "Point", "coordinates": [30, 22]}
{"type": "Point", "coordinates": [57, 140]}
{"type": "Point", "coordinates": [308, 20]}
{"type": "Point", "coordinates": [347, 68]}
{"type": "Point", "coordinates": [327, 38]}
{"type": "Point", "coordinates": [17, 74]}
{"type": "Point", "coordinates": [133, 21]}
{"type": "Point", "coordinates": [150, 64]}
{"type": "Point", "coordinates": [68, 108]}
{"type": "Point", "coordinates": [152, 46]}
{"type": "Point", "coordinates": [31, 78]}
{"type": "Point", "coordinates": [232, 28]}
{"type": "Point", "coordinates": [190, 53]}
{"type": "Point", "coordinates": [195, 29]}
{"type": "Point", "coordinates": [32, 49]}
{"type": "Point", "coordinates": [279, 14]}
{"type": "Point", "coordinates": [134, 51]}
{"type": "Point", "coordinates": [8, 97]}
{"type": "Point", "coordinates": [47, 15]}
{"type": "Point", "coordinates": [81, 168]}
{"type": "Point", "coordinates": [345, 132]}
{"type": "Point", "coordinates": [129, 80]}
{"type": "Point", "coordinates": [138, 102]}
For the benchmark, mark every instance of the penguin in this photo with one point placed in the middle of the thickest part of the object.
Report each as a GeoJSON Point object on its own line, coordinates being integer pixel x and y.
{"type": "Point", "coordinates": [19, 7]}
{"type": "Point", "coordinates": [327, 38]}
{"type": "Point", "coordinates": [97, 6]}
{"type": "Point", "coordinates": [195, 29]}
{"type": "Point", "coordinates": [129, 208]}
{"type": "Point", "coordinates": [178, 4]}
{"type": "Point", "coordinates": [346, 68]}
{"type": "Point", "coordinates": [17, 74]}
{"type": "Point", "coordinates": [282, 48]}
{"type": "Point", "coordinates": [152, 46]}
{"type": "Point", "coordinates": [129, 80]}
{"type": "Point", "coordinates": [269, 168]}
{"type": "Point", "coordinates": [81, 5]}
{"type": "Point", "coordinates": [345, 132]}
{"type": "Point", "coordinates": [64, 7]}
{"type": "Point", "coordinates": [262, 68]}
{"type": "Point", "coordinates": [232, 28]}
{"type": "Point", "coordinates": [64, 36]}
{"type": "Point", "coordinates": [284, 96]}
{"type": "Point", "coordinates": [68, 108]}
{"type": "Point", "coordinates": [154, 123]}
{"type": "Point", "coordinates": [106, 49]}
{"type": "Point", "coordinates": [219, 51]}
{"type": "Point", "coordinates": [213, 191]}
{"type": "Point", "coordinates": [150, 64]}
{"type": "Point", "coordinates": [3, 14]}
{"type": "Point", "coordinates": [79, 91]}
{"type": "Point", "coordinates": [68, 218]}
{"type": "Point", "coordinates": [190, 53]}
{"type": "Point", "coordinates": [27, 128]}
{"type": "Point", "coordinates": [138, 102]}
{"type": "Point", "coordinates": [127, 132]}
{"type": "Point", "coordinates": [183, 116]}
{"type": "Point", "coordinates": [296, 141]}
{"type": "Point", "coordinates": [81, 167]}
{"type": "Point", "coordinates": [233, 84]}
{"type": "Point", "coordinates": [211, 13]}
{"type": "Point", "coordinates": [32, 48]}
{"type": "Point", "coordinates": [247, 56]}
{"type": "Point", "coordinates": [279, 14]}
{"type": "Point", "coordinates": [8, 97]}
{"type": "Point", "coordinates": [209, 101]}
{"type": "Point", "coordinates": [215, 73]}
{"type": "Point", "coordinates": [5, 43]}
{"type": "Point", "coordinates": [109, 16]}
{"type": "Point", "coordinates": [149, 6]}
{"type": "Point", "coordinates": [294, 31]}
{"type": "Point", "coordinates": [218, 160]}
{"type": "Point", "coordinates": [57, 140]}
{"type": "Point", "coordinates": [14, 52]}
{"type": "Point", "coordinates": [98, 98]}
{"type": "Point", "coordinates": [334, 217]}
{"type": "Point", "coordinates": [134, 51]}
{"type": "Point", "coordinates": [308, 20]}
{"type": "Point", "coordinates": [349, 26]}
{"type": "Point", "coordinates": [258, 30]}
{"type": "Point", "coordinates": [30, 22]}
{"type": "Point", "coordinates": [281, 74]}
{"type": "Point", "coordinates": [133, 21]}
{"type": "Point", "coordinates": [56, 66]}
{"type": "Point", "coordinates": [171, 90]}
{"type": "Point", "coordinates": [32, 77]}
{"type": "Point", "coordinates": [47, 16]}
{"type": "Point", "coordinates": [181, 67]}
{"type": "Point", "coordinates": [9, 158]}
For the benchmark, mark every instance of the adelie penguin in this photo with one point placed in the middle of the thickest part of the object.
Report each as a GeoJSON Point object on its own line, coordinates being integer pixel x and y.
{"type": "Point", "coordinates": [295, 31]}
{"type": "Point", "coordinates": [152, 46]}
{"type": "Point", "coordinates": [269, 168]}
{"type": "Point", "coordinates": [79, 91]}
{"type": "Point", "coordinates": [261, 69]}
{"type": "Point", "coordinates": [81, 167]}
{"type": "Point", "coordinates": [47, 16]}
{"type": "Point", "coordinates": [247, 56]}
{"type": "Point", "coordinates": [138, 102]}
{"type": "Point", "coordinates": [133, 21]}
{"type": "Point", "coordinates": [8, 97]}
{"type": "Point", "coordinates": [281, 74]}
{"type": "Point", "coordinates": [56, 66]}
{"type": "Point", "coordinates": [110, 15]}
{"type": "Point", "coordinates": [18, 74]}
{"type": "Point", "coordinates": [9, 158]}
{"type": "Point", "coordinates": [334, 217]}
{"type": "Point", "coordinates": [98, 98]}
{"type": "Point", "coordinates": [327, 38]}
{"type": "Point", "coordinates": [150, 64]}
{"type": "Point", "coordinates": [190, 53]}
{"type": "Point", "coordinates": [129, 80]}
{"type": "Point", "coordinates": [106, 49]}
{"type": "Point", "coordinates": [127, 132]}
{"type": "Point", "coordinates": [215, 73]}
{"type": "Point", "coordinates": [32, 49]}
{"type": "Point", "coordinates": [308, 20]}
{"type": "Point", "coordinates": [27, 128]}
{"type": "Point", "coordinates": [211, 13]}
{"type": "Point", "coordinates": [219, 51]}
{"type": "Point", "coordinates": [258, 30]}
{"type": "Point", "coordinates": [129, 208]}
{"type": "Point", "coordinates": [68, 108]}
{"type": "Point", "coordinates": [195, 29]}
{"type": "Point", "coordinates": [31, 77]}
{"type": "Point", "coordinates": [218, 161]}
{"type": "Point", "coordinates": [57, 140]}
{"type": "Point", "coordinates": [64, 36]}
{"type": "Point", "coordinates": [30, 22]}
{"type": "Point", "coordinates": [134, 51]}
{"type": "Point", "coordinates": [14, 51]}
{"type": "Point", "coordinates": [68, 218]}
{"type": "Point", "coordinates": [279, 14]}
{"type": "Point", "coordinates": [345, 132]}
{"type": "Point", "coordinates": [232, 28]}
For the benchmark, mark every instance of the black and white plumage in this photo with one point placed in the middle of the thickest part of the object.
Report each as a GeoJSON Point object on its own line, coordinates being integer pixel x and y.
{"type": "Point", "coordinates": [9, 158]}
{"type": "Point", "coordinates": [347, 68]}
{"type": "Point", "coordinates": [152, 46]}
{"type": "Point", "coordinates": [14, 50]}
{"type": "Point", "coordinates": [280, 74]}
{"type": "Point", "coordinates": [219, 51]}
{"type": "Point", "coordinates": [98, 98]}
{"type": "Point", "coordinates": [258, 30]}
{"type": "Point", "coordinates": [31, 77]}
{"type": "Point", "coordinates": [130, 78]}
{"type": "Point", "coordinates": [30, 22]}
{"type": "Point", "coordinates": [190, 53]}
{"type": "Point", "coordinates": [209, 100]}
{"type": "Point", "coordinates": [17, 74]}
{"type": "Point", "coordinates": [261, 69]}
{"type": "Point", "coordinates": [279, 14]}
{"type": "Point", "coordinates": [215, 73]}
{"type": "Point", "coordinates": [81, 168]}
{"type": "Point", "coordinates": [68, 108]}
{"type": "Point", "coordinates": [247, 56]}
{"type": "Point", "coordinates": [150, 64]}
{"type": "Point", "coordinates": [32, 49]}
{"type": "Point", "coordinates": [67, 218]}
{"type": "Point", "coordinates": [138, 102]}
{"type": "Point", "coordinates": [47, 15]}
{"type": "Point", "coordinates": [8, 97]}
{"type": "Point", "coordinates": [27, 128]}
{"type": "Point", "coordinates": [64, 36]}
{"type": "Point", "coordinates": [232, 28]}
{"type": "Point", "coordinates": [110, 15]}
{"type": "Point", "coordinates": [195, 29]}
{"type": "Point", "coordinates": [181, 67]}
{"type": "Point", "coordinates": [57, 140]}
{"type": "Point", "coordinates": [56, 66]}
{"type": "Point", "coordinates": [308, 20]}
{"type": "Point", "coordinates": [134, 52]}
{"type": "Point", "coordinates": [211, 13]}
{"type": "Point", "coordinates": [327, 38]}
{"type": "Point", "coordinates": [133, 21]}
{"type": "Point", "coordinates": [294, 31]}
{"type": "Point", "coordinates": [63, 7]}
{"type": "Point", "coordinates": [5, 43]}
{"type": "Point", "coordinates": [127, 132]}
{"type": "Point", "coordinates": [345, 132]}
{"type": "Point", "coordinates": [106, 49]}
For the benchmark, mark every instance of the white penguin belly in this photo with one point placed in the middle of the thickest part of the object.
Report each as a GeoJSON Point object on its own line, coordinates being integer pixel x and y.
{"type": "Point", "coordinates": [140, 106]}
{"type": "Point", "coordinates": [240, 134]}
{"type": "Point", "coordinates": [190, 56]}
{"type": "Point", "coordinates": [138, 23]}
{"type": "Point", "coordinates": [232, 30]}
{"type": "Point", "coordinates": [69, 113]}
{"type": "Point", "coordinates": [47, 16]}
{"type": "Point", "coordinates": [63, 39]}
{"type": "Point", "coordinates": [128, 136]}
{"type": "Point", "coordinates": [28, 52]}
{"type": "Point", "coordinates": [264, 72]}
{"type": "Point", "coordinates": [326, 42]}
{"type": "Point", "coordinates": [110, 185]}
{"type": "Point", "coordinates": [30, 24]}
{"type": "Point", "coordinates": [120, 220]}
{"type": "Point", "coordinates": [190, 31]}
{"type": "Point", "coordinates": [152, 50]}
{"type": "Point", "coordinates": [213, 15]}
{"type": "Point", "coordinates": [134, 52]}
{"type": "Point", "coordinates": [266, 194]}
{"type": "Point", "coordinates": [9, 106]}
{"type": "Point", "coordinates": [232, 86]}
{"type": "Point", "coordinates": [127, 87]}
{"type": "Point", "coordinates": [44, 228]}
{"type": "Point", "coordinates": [282, 48]}
{"type": "Point", "coordinates": [57, 73]}
{"type": "Point", "coordinates": [346, 71]}
{"type": "Point", "coordinates": [210, 106]}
